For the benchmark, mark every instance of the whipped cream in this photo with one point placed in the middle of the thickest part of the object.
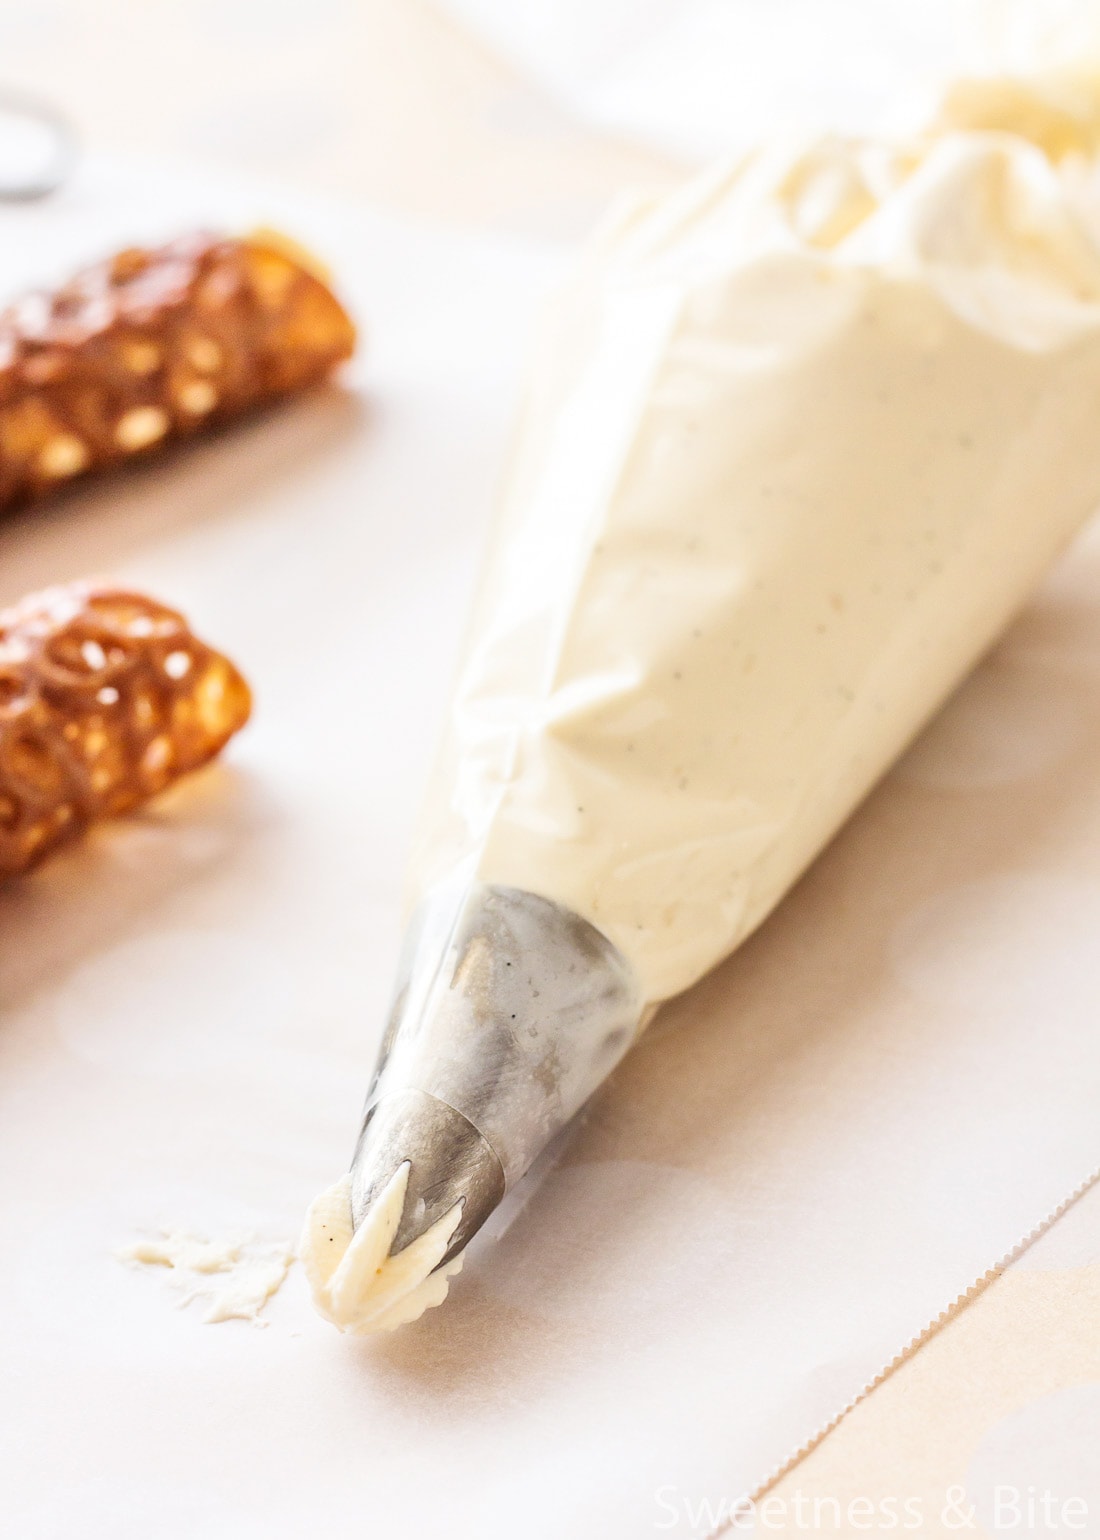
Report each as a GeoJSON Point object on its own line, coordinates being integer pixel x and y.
{"type": "Point", "coordinates": [799, 440]}
{"type": "Point", "coordinates": [355, 1282]}
{"type": "Point", "coordinates": [232, 1278]}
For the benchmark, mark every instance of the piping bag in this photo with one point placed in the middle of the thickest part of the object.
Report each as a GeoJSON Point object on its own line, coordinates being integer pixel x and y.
{"type": "Point", "coordinates": [798, 441]}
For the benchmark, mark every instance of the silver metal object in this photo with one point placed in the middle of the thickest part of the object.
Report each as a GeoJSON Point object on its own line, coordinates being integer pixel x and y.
{"type": "Point", "coordinates": [38, 148]}
{"type": "Point", "coordinates": [509, 1011]}
{"type": "Point", "coordinates": [450, 1162]}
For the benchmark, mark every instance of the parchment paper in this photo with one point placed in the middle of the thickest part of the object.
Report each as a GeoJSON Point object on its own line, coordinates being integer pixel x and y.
{"type": "Point", "coordinates": [805, 1160]}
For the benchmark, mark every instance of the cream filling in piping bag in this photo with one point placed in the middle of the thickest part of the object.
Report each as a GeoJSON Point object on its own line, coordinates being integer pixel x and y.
{"type": "Point", "coordinates": [799, 440]}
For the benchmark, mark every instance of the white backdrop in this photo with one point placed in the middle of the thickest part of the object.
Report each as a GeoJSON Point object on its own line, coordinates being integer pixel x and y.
{"type": "Point", "coordinates": [696, 77]}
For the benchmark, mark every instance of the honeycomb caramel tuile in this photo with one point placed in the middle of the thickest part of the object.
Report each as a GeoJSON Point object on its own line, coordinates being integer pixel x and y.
{"type": "Point", "coordinates": [152, 346]}
{"type": "Point", "coordinates": [106, 697]}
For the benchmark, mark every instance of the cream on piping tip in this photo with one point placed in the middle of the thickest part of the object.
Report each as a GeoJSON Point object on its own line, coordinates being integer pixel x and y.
{"type": "Point", "coordinates": [355, 1282]}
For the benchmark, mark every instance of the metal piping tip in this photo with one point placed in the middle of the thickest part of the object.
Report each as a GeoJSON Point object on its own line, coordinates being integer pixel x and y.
{"type": "Point", "coordinates": [509, 1012]}
{"type": "Point", "coordinates": [449, 1161]}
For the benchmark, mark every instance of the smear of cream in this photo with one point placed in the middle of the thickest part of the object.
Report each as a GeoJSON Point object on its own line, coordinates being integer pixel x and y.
{"type": "Point", "coordinates": [234, 1278]}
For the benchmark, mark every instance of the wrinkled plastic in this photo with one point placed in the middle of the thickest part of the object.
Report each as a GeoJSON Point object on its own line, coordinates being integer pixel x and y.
{"type": "Point", "coordinates": [510, 1010]}
{"type": "Point", "coordinates": [799, 441]}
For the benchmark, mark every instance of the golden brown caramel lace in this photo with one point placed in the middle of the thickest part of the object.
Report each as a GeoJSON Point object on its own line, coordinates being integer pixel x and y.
{"type": "Point", "coordinates": [106, 697]}
{"type": "Point", "coordinates": [152, 346]}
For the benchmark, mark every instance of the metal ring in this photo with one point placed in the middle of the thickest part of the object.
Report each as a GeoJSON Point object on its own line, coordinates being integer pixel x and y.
{"type": "Point", "coordinates": [50, 153]}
